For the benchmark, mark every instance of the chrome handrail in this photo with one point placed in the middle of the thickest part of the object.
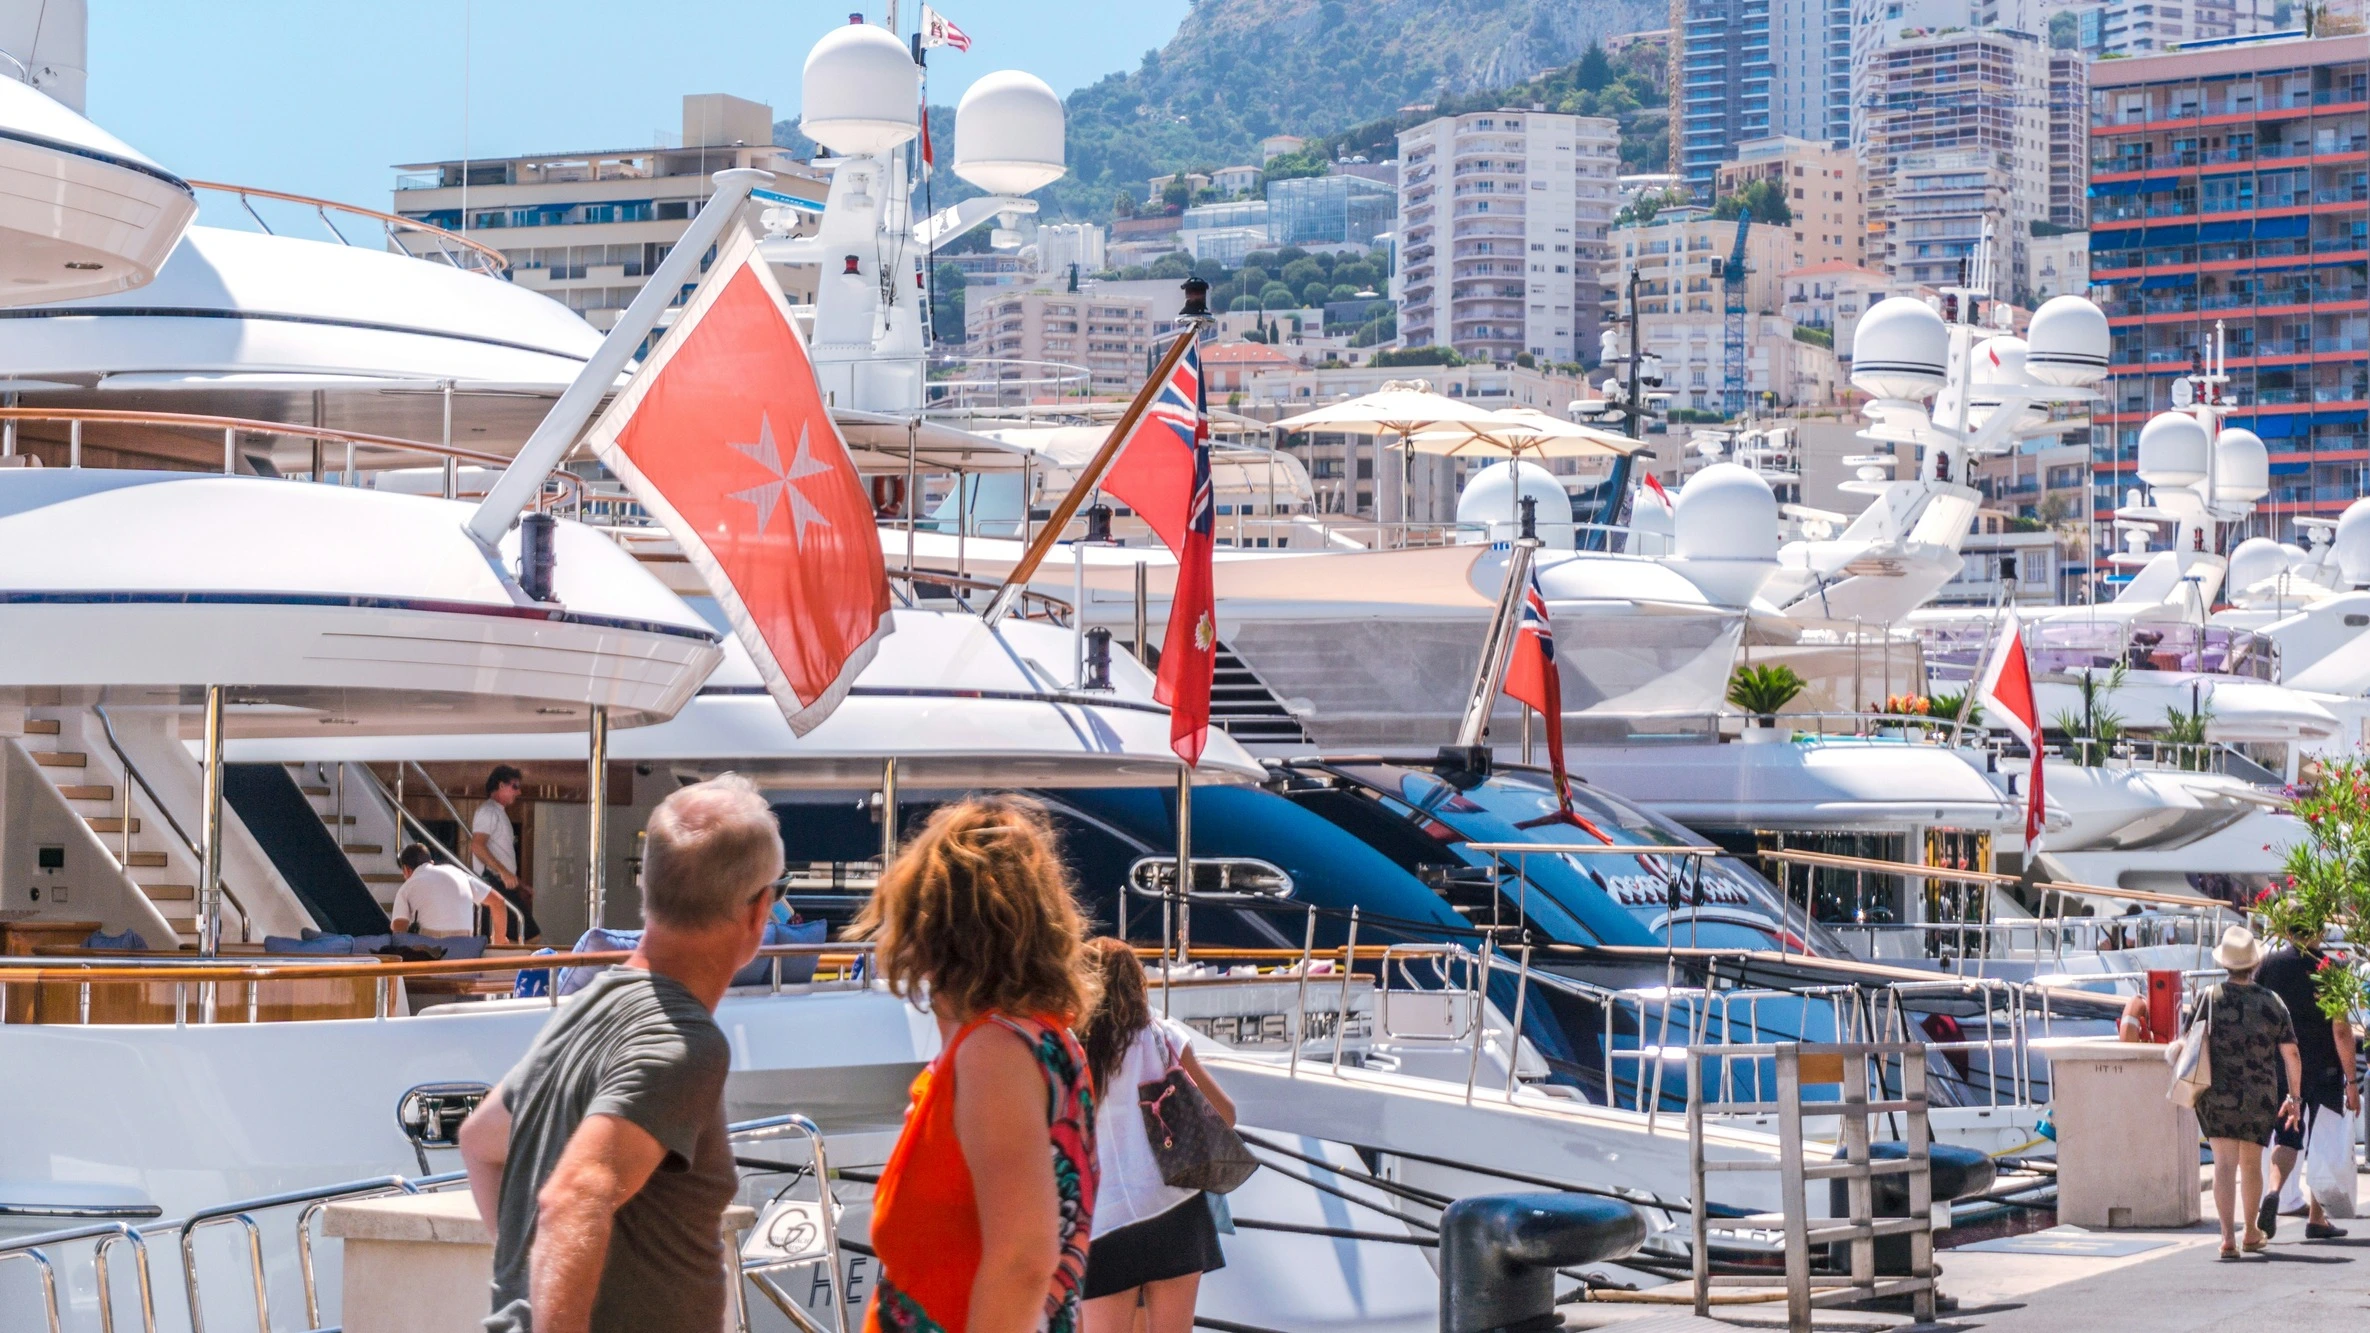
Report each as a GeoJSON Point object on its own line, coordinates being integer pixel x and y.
{"type": "Point", "coordinates": [490, 261]}
{"type": "Point", "coordinates": [107, 1234]}
{"type": "Point", "coordinates": [132, 771]}
{"type": "Point", "coordinates": [378, 787]}
{"type": "Point", "coordinates": [819, 1163]}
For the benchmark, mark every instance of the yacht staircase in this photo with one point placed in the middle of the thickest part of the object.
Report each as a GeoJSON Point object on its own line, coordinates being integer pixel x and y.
{"type": "Point", "coordinates": [134, 866]}
{"type": "Point", "coordinates": [1243, 706]}
{"type": "Point", "coordinates": [348, 800]}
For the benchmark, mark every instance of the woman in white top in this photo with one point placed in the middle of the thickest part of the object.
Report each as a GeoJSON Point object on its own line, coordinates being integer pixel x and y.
{"type": "Point", "coordinates": [1152, 1240]}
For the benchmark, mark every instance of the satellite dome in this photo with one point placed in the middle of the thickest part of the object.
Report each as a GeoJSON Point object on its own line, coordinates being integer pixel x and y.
{"type": "Point", "coordinates": [1727, 512]}
{"type": "Point", "coordinates": [2069, 341]}
{"type": "Point", "coordinates": [1900, 350]}
{"type": "Point", "coordinates": [2242, 465]}
{"type": "Point", "coordinates": [861, 91]}
{"type": "Point", "coordinates": [2173, 450]}
{"type": "Point", "coordinates": [2353, 544]}
{"type": "Point", "coordinates": [1997, 361]}
{"type": "Point", "coordinates": [1009, 134]}
{"type": "Point", "coordinates": [1487, 504]}
{"type": "Point", "coordinates": [2255, 560]}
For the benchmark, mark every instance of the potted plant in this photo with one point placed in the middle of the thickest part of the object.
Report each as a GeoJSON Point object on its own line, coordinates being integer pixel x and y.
{"type": "Point", "coordinates": [1760, 691]}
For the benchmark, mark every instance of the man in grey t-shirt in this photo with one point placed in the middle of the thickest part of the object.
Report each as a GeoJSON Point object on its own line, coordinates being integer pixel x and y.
{"type": "Point", "coordinates": [602, 1156]}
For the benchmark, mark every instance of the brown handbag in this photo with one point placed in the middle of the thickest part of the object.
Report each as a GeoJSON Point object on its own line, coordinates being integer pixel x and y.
{"type": "Point", "coordinates": [1195, 1148]}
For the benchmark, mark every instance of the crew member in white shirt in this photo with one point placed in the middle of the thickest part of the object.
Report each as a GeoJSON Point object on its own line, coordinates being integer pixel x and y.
{"type": "Point", "coordinates": [440, 900]}
{"type": "Point", "coordinates": [493, 846]}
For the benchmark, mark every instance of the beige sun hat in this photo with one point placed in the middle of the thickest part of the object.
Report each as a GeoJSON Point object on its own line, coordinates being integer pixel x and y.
{"type": "Point", "coordinates": [2239, 950]}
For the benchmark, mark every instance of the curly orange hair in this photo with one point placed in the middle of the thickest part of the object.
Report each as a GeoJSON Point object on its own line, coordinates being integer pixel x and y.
{"type": "Point", "coordinates": [979, 908]}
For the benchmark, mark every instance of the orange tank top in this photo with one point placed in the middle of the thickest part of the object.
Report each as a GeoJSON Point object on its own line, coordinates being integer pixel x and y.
{"type": "Point", "coordinates": [925, 1219]}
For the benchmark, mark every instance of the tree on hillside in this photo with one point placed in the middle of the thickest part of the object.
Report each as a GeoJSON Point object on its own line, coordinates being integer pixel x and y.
{"type": "Point", "coordinates": [1595, 69]}
{"type": "Point", "coordinates": [1312, 160]}
{"type": "Point", "coordinates": [946, 303]}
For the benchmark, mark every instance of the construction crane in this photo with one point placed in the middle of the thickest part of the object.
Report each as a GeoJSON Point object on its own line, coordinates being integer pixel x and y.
{"type": "Point", "coordinates": [1732, 280]}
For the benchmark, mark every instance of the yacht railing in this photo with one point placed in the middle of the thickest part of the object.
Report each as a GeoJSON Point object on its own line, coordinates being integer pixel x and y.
{"type": "Point", "coordinates": [156, 803]}
{"type": "Point", "coordinates": [2070, 647]}
{"type": "Point", "coordinates": [569, 485]}
{"type": "Point", "coordinates": [956, 385]}
{"type": "Point", "coordinates": [35, 1250]}
{"type": "Point", "coordinates": [452, 247]}
{"type": "Point", "coordinates": [849, 961]}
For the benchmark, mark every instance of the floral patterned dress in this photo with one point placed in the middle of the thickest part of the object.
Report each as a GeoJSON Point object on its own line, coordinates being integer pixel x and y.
{"type": "Point", "coordinates": [925, 1218]}
{"type": "Point", "coordinates": [2249, 1026]}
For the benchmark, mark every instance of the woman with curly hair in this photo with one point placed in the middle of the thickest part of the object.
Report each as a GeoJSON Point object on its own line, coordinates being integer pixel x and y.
{"type": "Point", "coordinates": [984, 1211]}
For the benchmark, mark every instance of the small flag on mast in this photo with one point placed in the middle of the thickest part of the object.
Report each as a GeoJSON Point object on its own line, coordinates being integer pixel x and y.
{"type": "Point", "coordinates": [936, 31]}
{"type": "Point", "coordinates": [723, 435]}
{"type": "Point", "coordinates": [1163, 473]}
{"type": "Point", "coordinates": [2006, 688]}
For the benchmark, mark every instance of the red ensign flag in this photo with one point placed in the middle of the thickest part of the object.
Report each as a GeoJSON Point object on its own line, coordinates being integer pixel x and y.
{"type": "Point", "coordinates": [2006, 689]}
{"type": "Point", "coordinates": [724, 437]}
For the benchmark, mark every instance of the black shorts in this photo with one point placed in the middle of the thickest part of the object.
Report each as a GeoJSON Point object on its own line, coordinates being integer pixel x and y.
{"type": "Point", "coordinates": [2324, 1090]}
{"type": "Point", "coordinates": [1177, 1243]}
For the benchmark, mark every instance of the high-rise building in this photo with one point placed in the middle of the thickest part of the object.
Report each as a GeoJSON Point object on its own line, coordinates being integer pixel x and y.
{"type": "Point", "coordinates": [2227, 189]}
{"type": "Point", "coordinates": [1501, 237]}
{"type": "Point", "coordinates": [1017, 333]}
{"type": "Point", "coordinates": [2144, 27]}
{"type": "Point", "coordinates": [1820, 183]}
{"type": "Point", "coordinates": [585, 227]}
{"type": "Point", "coordinates": [2069, 140]}
{"type": "Point", "coordinates": [1954, 133]}
{"type": "Point", "coordinates": [1758, 69]}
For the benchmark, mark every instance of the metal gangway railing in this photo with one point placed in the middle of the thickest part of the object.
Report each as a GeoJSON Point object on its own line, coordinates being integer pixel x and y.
{"type": "Point", "coordinates": [47, 1251]}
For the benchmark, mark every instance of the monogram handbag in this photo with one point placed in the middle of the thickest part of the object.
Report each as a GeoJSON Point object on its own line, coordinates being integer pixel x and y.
{"type": "Point", "coordinates": [1195, 1148]}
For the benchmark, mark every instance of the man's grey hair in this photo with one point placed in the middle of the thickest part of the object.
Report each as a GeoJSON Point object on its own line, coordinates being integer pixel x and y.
{"type": "Point", "coordinates": [711, 848]}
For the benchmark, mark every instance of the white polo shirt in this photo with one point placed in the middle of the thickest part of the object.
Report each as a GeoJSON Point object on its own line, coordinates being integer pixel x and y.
{"type": "Point", "coordinates": [439, 900]}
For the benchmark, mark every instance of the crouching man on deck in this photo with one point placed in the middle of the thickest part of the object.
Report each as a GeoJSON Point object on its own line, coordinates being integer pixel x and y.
{"type": "Point", "coordinates": [602, 1158]}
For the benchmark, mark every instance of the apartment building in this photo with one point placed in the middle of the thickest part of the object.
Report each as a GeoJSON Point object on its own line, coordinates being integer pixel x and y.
{"type": "Point", "coordinates": [585, 227]}
{"type": "Point", "coordinates": [1502, 243]}
{"type": "Point", "coordinates": [1831, 298]}
{"type": "Point", "coordinates": [2231, 186]}
{"type": "Point", "coordinates": [2147, 27]}
{"type": "Point", "coordinates": [1955, 133]}
{"type": "Point", "coordinates": [1757, 69]}
{"type": "Point", "coordinates": [1681, 258]}
{"type": "Point", "coordinates": [1109, 337]}
{"type": "Point", "coordinates": [2060, 265]}
{"type": "Point", "coordinates": [1820, 183]}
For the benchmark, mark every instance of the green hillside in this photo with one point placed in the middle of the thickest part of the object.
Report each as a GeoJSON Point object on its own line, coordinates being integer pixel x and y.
{"type": "Point", "coordinates": [1240, 70]}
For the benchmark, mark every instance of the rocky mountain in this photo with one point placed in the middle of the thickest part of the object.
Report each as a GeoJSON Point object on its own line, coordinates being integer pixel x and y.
{"type": "Point", "coordinates": [1240, 70]}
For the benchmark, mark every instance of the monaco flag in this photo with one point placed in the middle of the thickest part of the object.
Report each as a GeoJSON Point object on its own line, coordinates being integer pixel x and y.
{"type": "Point", "coordinates": [1163, 473]}
{"type": "Point", "coordinates": [724, 437]}
{"type": "Point", "coordinates": [2005, 690]}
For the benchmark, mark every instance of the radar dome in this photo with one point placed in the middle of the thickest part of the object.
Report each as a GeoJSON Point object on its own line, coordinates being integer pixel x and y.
{"type": "Point", "coordinates": [2173, 450]}
{"type": "Point", "coordinates": [1009, 134]}
{"type": "Point", "coordinates": [2255, 560]}
{"type": "Point", "coordinates": [2069, 343]}
{"type": "Point", "coordinates": [860, 91]}
{"type": "Point", "coordinates": [1487, 504]}
{"type": "Point", "coordinates": [2353, 544]}
{"type": "Point", "coordinates": [1901, 350]}
{"type": "Point", "coordinates": [2242, 465]}
{"type": "Point", "coordinates": [1727, 512]}
{"type": "Point", "coordinates": [1997, 361]}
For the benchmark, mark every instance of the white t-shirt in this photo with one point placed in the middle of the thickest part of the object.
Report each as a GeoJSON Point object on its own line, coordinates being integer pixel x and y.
{"type": "Point", "coordinates": [1132, 1190]}
{"type": "Point", "coordinates": [439, 900]}
{"type": "Point", "coordinates": [494, 822]}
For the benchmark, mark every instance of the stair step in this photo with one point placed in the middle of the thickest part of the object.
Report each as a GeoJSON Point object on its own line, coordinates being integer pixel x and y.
{"type": "Point", "coordinates": [61, 758]}
{"type": "Point", "coordinates": [87, 793]}
{"type": "Point", "coordinates": [361, 848]}
{"type": "Point", "coordinates": [109, 823]}
{"type": "Point", "coordinates": [337, 819]}
{"type": "Point", "coordinates": [184, 926]}
{"type": "Point", "coordinates": [41, 726]}
{"type": "Point", "coordinates": [161, 893]}
{"type": "Point", "coordinates": [382, 879]}
{"type": "Point", "coordinates": [311, 790]}
{"type": "Point", "coordinates": [148, 860]}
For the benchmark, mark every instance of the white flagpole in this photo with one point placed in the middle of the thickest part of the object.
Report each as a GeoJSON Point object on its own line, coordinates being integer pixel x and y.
{"type": "Point", "coordinates": [556, 435]}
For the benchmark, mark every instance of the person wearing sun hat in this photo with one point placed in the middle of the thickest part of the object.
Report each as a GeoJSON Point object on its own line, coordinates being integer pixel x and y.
{"type": "Point", "coordinates": [2249, 1037]}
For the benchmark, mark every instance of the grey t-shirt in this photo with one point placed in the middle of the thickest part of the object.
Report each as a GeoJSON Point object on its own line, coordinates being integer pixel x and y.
{"type": "Point", "coordinates": [639, 1046]}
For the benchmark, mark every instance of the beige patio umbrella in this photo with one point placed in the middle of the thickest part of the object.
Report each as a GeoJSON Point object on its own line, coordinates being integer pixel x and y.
{"type": "Point", "coordinates": [1522, 432]}
{"type": "Point", "coordinates": [1401, 408]}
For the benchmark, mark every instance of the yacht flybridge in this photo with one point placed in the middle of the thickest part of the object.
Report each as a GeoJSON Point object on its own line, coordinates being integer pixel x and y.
{"type": "Point", "coordinates": [81, 212]}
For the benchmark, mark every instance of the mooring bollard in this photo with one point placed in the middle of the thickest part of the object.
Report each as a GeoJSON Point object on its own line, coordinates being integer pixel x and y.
{"type": "Point", "coordinates": [1499, 1253]}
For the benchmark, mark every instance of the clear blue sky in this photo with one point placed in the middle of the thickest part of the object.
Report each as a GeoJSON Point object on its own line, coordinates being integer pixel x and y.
{"type": "Point", "coordinates": [322, 97]}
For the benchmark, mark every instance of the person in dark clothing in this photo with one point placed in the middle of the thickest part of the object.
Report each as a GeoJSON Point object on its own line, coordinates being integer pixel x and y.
{"type": "Point", "coordinates": [2325, 1049]}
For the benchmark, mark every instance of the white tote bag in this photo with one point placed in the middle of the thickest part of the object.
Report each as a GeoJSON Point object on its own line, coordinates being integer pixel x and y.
{"type": "Point", "coordinates": [2329, 1159]}
{"type": "Point", "coordinates": [2191, 1059]}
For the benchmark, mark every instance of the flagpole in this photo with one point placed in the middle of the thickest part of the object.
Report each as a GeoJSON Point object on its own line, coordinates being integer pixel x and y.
{"type": "Point", "coordinates": [1194, 316]}
{"type": "Point", "coordinates": [556, 434]}
{"type": "Point", "coordinates": [1497, 646]}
